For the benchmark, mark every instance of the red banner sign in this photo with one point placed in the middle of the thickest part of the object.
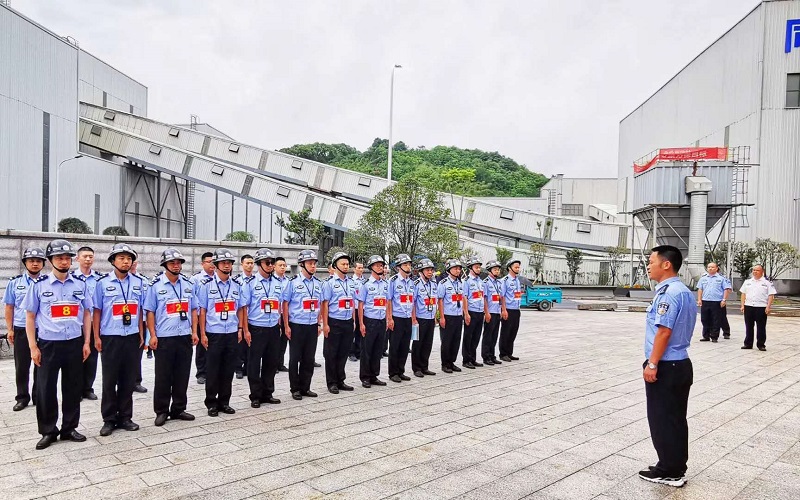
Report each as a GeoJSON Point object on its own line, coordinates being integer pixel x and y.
{"type": "Point", "coordinates": [684, 154]}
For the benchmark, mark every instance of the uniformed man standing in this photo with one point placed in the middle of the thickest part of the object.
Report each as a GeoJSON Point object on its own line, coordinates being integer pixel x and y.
{"type": "Point", "coordinates": [301, 308]}
{"type": "Point", "coordinates": [261, 297]}
{"type": "Point", "coordinates": [172, 321]}
{"type": "Point", "coordinates": [33, 260]}
{"type": "Point", "coordinates": [358, 279]}
{"type": "Point", "coordinates": [85, 260]}
{"type": "Point", "coordinates": [118, 327]}
{"type": "Point", "coordinates": [451, 306]}
{"type": "Point", "coordinates": [58, 329]}
{"type": "Point", "coordinates": [372, 315]}
{"type": "Point", "coordinates": [511, 290]}
{"type": "Point", "coordinates": [493, 303]}
{"type": "Point", "coordinates": [400, 305]}
{"type": "Point", "coordinates": [220, 319]}
{"type": "Point", "coordinates": [757, 296]}
{"type": "Point", "coordinates": [712, 297]}
{"type": "Point", "coordinates": [667, 370]}
{"type": "Point", "coordinates": [473, 315]}
{"type": "Point", "coordinates": [208, 269]}
{"type": "Point", "coordinates": [139, 387]}
{"type": "Point", "coordinates": [280, 275]}
{"type": "Point", "coordinates": [424, 315]}
{"type": "Point", "coordinates": [338, 310]}
{"type": "Point", "coordinates": [247, 264]}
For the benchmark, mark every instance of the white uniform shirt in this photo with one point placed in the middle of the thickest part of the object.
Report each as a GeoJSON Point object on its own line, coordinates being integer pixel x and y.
{"type": "Point", "coordinates": [757, 292]}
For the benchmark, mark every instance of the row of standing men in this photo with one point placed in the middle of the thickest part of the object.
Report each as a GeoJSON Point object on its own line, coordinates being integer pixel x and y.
{"type": "Point", "coordinates": [61, 318]}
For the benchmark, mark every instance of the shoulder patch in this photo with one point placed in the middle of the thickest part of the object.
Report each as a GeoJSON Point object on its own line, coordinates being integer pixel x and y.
{"type": "Point", "coordinates": [236, 280]}
{"type": "Point", "coordinates": [662, 308]}
{"type": "Point", "coordinates": [79, 276]}
{"type": "Point", "coordinates": [102, 275]}
{"type": "Point", "coordinates": [156, 279]}
{"type": "Point", "coordinates": [416, 281]}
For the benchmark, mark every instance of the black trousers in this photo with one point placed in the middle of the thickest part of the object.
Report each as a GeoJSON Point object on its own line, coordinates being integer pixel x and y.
{"type": "Point", "coordinates": [139, 366]}
{"type": "Point", "coordinates": [302, 348]}
{"type": "Point", "coordinates": [399, 342]}
{"type": "Point", "coordinates": [284, 343]}
{"type": "Point", "coordinates": [508, 332]}
{"type": "Point", "coordinates": [726, 327]}
{"type": "Point", "coordinates": [120, 358]}
{"type": "Point", "coordinates": [221, 357]}
{"type": "Point", "coordinates": [335, 348]}
{"type": "Point", "coordinates": [90, 368]}
{"type": "Point", "coordinates": [200, 360]}
{"type": "Point", "coordinates": [22, 367]}
{"type": "Point", "coordinates": [451, 339]}
{"type": "Point", "coordinates": [241, 362]}
{"type": "Point", "coordinates": [667, 401]}
{"type": "Point", "coordinates": [65, 356]}
{"type": "Point", "coordinates": [372, 349]}
{"type": "Point", "coordinates": [472, 337]}
{"type": "Point", "coordinates": [711, 316]}
{"type": "Point", "coordinates": [173, 365]}
{"type": "Point", "coordinates": [755, 316]}
{"type": "Point", "coordinates": [263, 360]}
{"type": "Point", "coordinates": [490, 331]}
{"type": "Point", "coordinates": [355, 348]}
{"type": "Point", "coordinates": [421, 349]}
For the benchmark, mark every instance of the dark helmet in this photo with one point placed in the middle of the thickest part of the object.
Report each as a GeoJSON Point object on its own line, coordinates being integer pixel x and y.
{"type": "Point", "coordinates": [306, 255]}
{"type": "Point", "coordinates": [491, 264]}
{"type": "Point", "coordinates": [425, 264]}
{"type": "Point", "coordinates": [471, 262]}
{"type": "Point", "coordinates": [33, 253]}
{"type": "Point", "coordinates": [401, 259]}
{"type": "Point", "coordinates": [264, 254]}
{"type": "Point", "coordinates": [171, 254]}
{"type": "Point", "coordinates": [511, 262]}
{"type": "Point", "coordinates": [451, 263]}
{"type": "Point", "coordinates": [338, 256]}
{"type": "Point", "coordinates": [374, 259]}
{"type": "Point", "coordinates": [119, 248]}
{"type": "Point", "coordinates": [223, 254]}
{"type": "Point", "coordinates": [60, 247]}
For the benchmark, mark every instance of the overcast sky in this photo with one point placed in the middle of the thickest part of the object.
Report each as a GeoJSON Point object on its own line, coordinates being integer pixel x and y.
{"type": "Point", "coordinates": [544, 82]}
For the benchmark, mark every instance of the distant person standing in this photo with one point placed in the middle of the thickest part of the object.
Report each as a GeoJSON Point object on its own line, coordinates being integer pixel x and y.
{"type": "Point", "coordinates": [712, 297]}
{"type": "Point", "coordinates": [247, 264]}
{"type": "Point", "coordinates": [757, 296]}
{"type": "Point", "coordinates": [207, 271]}
{"type": "Point", "coordinates": [85, 260]}
{"type": "Point", "coordinates": [358, 279]}
{"type": "Point", "coordinates": [280, 275]}
{"type": "Point", "coordinates": [493, 303]}
{"type": "Point", "coordinates": [450, 295]}
{"type": "Point", "coordinates": [424, 315]}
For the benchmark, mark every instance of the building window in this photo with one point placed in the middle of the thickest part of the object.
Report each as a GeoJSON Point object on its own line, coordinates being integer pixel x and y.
{"type": "Point", "coordinates": [297, 164]}
{"type": "Point", "coordinates": [507, 214]}
{"type": "Point", "coordinates": [364, 181]}
{"type": "Point", "coordinates": [283, 191]}
{"type": "Point", "coordinates": [793, 90]}
{"type": "Point", "coordinates": [174, 132]}
{"type": "Point", "coordinates": [233, 148]}
{"type": "Point", "coordinates": [572, 209]}
{"type": "Point", "coordinates": [585, 228]}
{"type": "Point", "coordinates": [217, 170]}
{"type": "Point", "coordinates": [156, 150]}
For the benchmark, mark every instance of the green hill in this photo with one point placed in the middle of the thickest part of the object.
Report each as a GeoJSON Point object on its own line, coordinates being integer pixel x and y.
{"type": "Point", "coordinates": [442, 167]}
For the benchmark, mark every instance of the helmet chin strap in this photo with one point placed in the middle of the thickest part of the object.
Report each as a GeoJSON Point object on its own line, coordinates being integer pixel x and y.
{"type": "Point", "coordinates": [261, 267]}
{"type": "Point", "coordinates": [120, 270]}
{"type": "Point", "coordinates": [170, 272]}
{"type": "Point", "coordinates": [338, 268]}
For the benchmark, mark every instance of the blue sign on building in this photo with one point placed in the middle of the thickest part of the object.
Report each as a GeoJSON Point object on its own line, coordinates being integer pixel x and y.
{"type": "Point", "coordinates": [792, 35]}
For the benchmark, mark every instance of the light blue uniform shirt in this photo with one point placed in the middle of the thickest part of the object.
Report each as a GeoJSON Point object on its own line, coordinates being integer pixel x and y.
{"type": "Point", "coordinates": [15, 294]}
{"type": "Point", "coordinates": [451, 291]}
{"type": "Point", "coordinates": [304, 296]}
{"type": "Point", "coordinates": [473, 289]}
{"type": "Point", "coordinates": [262, 296]}
{"type": "Point", "coordinates": [511, 289]}
{"type": "Point", "coordinates": [714, 287]}
{"type": "Point", "coordinates": [90, 279]}
{"type": "Point", "coordinates": [58, 306]}
{"type": "Point", "coordinates": [166, 301]}
{"type": "Point", "coordinates": [401, 293]}
{"type": "Point", "coordinates": [493, 290]}
{"type": "Point", "coordinates": [221, 300]}
{"type": "Point", "coordinates": [373, 294]}
{"type": "Point", "coordinates": [341, 296]}
{"type": "Point", "coordinates": [197, 278]}
{"type": "Point", "coordinates": [425, 293]}
{"type": "Point", "coordinates": [112, 296]}
{"type": "Point", "coordinates": [674, 307]}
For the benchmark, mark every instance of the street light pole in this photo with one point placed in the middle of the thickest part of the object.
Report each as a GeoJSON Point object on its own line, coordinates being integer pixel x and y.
{"type": "Point", "coordinates": [58, 184]}
{"type": "Point", "coordinates": [391, 113]}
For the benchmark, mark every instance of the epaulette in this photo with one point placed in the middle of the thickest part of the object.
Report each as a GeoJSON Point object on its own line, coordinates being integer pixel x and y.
{"type": "Point", "coordinates": [40, 278]}
{"type": "Point", "coordinates": [102, 275]}
{"type": "Point", "coordinates": [486, 279]}
{"type": "Point", "coordinates": [248, 279]}
{"type": "Point", "coordinates": [416, 281]}
{"type": "Point", "coordinates": [236, 280]}
{"type": "Point", "coordinates": [393, 278]}
{"type": "Point", "coordinates": [15, 277]}
{"type": "Point", "coordinates": [155, 279]}
{"type": "Point", "coordinates": [207, 279]}
{"type": "Point", "coordinates": [327, 279]}
{"type": "Point", "coordinates": [79, 276]}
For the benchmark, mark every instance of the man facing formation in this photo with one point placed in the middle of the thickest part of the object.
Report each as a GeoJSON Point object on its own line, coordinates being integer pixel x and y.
{"type": "Point", "coordinates": [338, 310]}
{"type": "Point", "coordinates": [757, 296]}
{"type": "Point", "coordinates": [451, 297]}
{"type": "Point", "coordinates": [372, 314]}
{"type": "Point", "coordinates": [712, 298]}
{"type": "Point", "coordinates": [473, 315]}
{"type": "Point", "coordinates": [424, 315]}
{"type": "Point", "coordinates": [399, 304]}
{"type": "Point", "coordinates": [512, 294]}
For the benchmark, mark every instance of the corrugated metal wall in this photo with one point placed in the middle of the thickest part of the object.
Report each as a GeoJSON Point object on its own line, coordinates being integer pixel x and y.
{"type": "Point", "coordinates": [121, 91]}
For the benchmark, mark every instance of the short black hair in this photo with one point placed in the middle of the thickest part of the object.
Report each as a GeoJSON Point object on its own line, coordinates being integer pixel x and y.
{"type": "Point", "coordinates": [670, 253]}
{"type": "Point", "coordinates": [206, 255]}
{"type": "Point", "coordinates": [85, 249]}
{"type": "Point", "coordinates": [245, 256]}
{"type": "Point", "coordinates": [279, 259]}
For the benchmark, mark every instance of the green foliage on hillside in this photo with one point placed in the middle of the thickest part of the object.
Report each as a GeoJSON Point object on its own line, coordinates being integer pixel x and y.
{"type": "Point", "coordinates": [495, 174]}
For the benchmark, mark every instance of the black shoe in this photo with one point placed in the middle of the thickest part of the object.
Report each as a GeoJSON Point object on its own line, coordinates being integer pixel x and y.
{"type": "Point", "coordinates": [149, 354]}
{"type": "Point", "coordinates": [365, 384]}
{"type": "Point", "coordinates": [161, 419]}
{"type": "Point", "coordinates": [255, 404]}
{"type": "Point", "coordinates": [513, 358]}
{"type": "Point", "coordinates": [477, 365]}
{"type": "Point", "coordinates": [90, 396]}
{"type": "Point", "coordinates": [128, 425]}
{"type": "Point", "coordinates": [504, 358]}
{"type": "Point", "coordinates": [747, 347]}
{"type": "Point", "coordinates": [385, 354]}
{"type": "Point", "coordinates": [227, 410]}
{"type": "Point", "coordinates": [317, 365]}
{"type": "Point", "coordinates": [19, 406]}
{"type": "Point", "coordinates": [46, 441]}
{"type": "Point", "coordinates": [73, 435]}
{"type": "Point", "coordinates": [419, 374]}
{"type": "Point", "coordinates": [705, 340]}
{"type": "Point", "coordinates": [497, 361]}
{"type": "Point", "coordinates": [309, 394]}
{"type": "Point", "coordinates": [469, 365]}
{"type": "Point", "coordinates": [182, 416]}
{"type": "Point", "coordinates": [333, 389]}
{"type": "Point", "coordinates": [107, 429]}
{"type": "Point", "coordinates": [344, 387]}
{"type": "Point", "coordinates": [377, 381]}
{"type": "Point", "coordinates": [428, 372]}
{"type": "Point", "coordinates": [139, 388]}
{"type": "Point", "coordinates": [455, 368]}
{"type": "Point", "coordinates": [654, 477]}
{"type": "Point", "coordinates": [714, 341]}
{"type": "Point", "coordinates": [297, 396]}
{"type": "Point", "coordinates": [726, 336]}
{"type": "Point", "coordinates": [395, 378]}
{"type": "Point", "coordinates": [283, 369]}
{"type": "Point", "coordinates": [405, 377]}
{"type": "Point", "coordinates": [352, 358]}
{"type": "Point", "coordinates": [271, 400]}
{"type": "Point", "coordinates": [446, 369]}
{"type": "Point", "coordinates": [201, 380]}
{"type": "Point", "coordinates": [213, 412]}
{"type": "Point", "coordinates": [762, 348]}
{"type": "Point", "coordinates": [239, 375]}
{"type": "Point", "coordinates": [488, 362]}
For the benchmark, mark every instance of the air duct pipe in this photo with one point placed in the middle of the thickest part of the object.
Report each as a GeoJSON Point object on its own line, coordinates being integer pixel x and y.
{"type": "Point", "coordinates": [697, 188]}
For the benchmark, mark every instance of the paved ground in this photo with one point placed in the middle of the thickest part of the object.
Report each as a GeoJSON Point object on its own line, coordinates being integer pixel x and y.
{"type": "Point", "coordinates": [567, 421]}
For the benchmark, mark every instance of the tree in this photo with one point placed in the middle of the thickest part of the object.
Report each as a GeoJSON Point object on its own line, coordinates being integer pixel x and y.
{"type": "Point", "coordinates": [439, 244]}
{"type": "Point", "coordinates": [302, 228]}
{"type": "Point", "coordinates": [538, 252]}
{"type": "Point", "coordinates": [73, 225]}
{"type": "Point", "coordinates": [775, 257]}
{"type": "Point", "coordinates": [115, 231]}
{"type": "Point", "coordinates": [242, 236]}
{"type": "Point", "coordinates": [743, 258]}
{"type": "Point", "coordinates": [363, 242]}
{"type": "Point", "coordinates": [331, 252]}
{"type": "Point", "coordinates": [719, 256]}
{"type": "Point", "coordinates": [503, 256]}
{"type": "Point", "coordinates": [615, 256]}
{"type": "Point", "coordinates": [574, 261]}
